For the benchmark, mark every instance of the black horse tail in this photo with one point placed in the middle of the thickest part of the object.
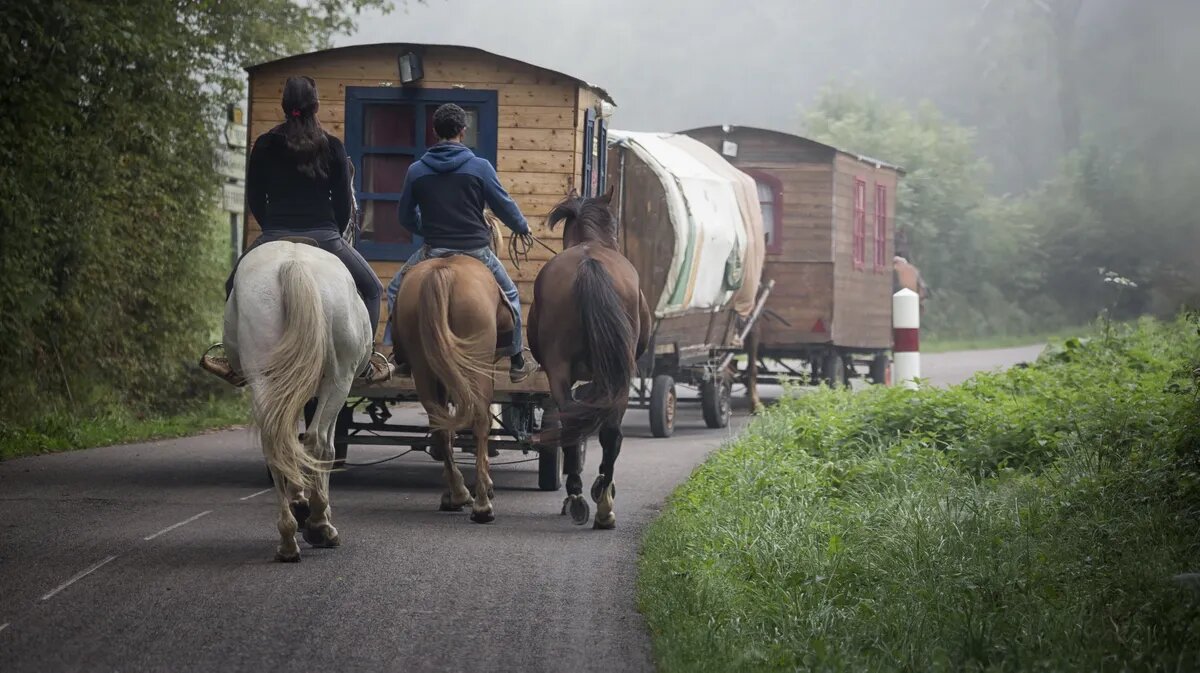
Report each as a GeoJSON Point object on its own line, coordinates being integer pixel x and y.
{"type": "Point", "coordinates": [609, 340]}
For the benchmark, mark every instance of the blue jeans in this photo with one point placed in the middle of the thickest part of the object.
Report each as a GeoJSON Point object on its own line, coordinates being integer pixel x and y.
{"type": "Point", "coordinates": [489, 259]}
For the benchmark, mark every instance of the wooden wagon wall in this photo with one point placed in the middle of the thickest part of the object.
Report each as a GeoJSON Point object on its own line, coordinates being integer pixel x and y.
{"type": "Point", "coordinates": [862, 306]}
{"type": "Point", "coordinates": [540, 117]}
{"type": "Point", "coordinates": [816, 284]}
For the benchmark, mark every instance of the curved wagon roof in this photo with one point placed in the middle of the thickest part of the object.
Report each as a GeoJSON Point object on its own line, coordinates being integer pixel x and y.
{"type": "Point", "coordinates": [791, 137]}
{"type": "Point", "coordinates": [418, 46]}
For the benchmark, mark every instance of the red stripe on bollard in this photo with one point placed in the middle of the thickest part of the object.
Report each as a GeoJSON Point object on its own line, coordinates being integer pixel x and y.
{"type": "Point", "coordinates": [906, 340]}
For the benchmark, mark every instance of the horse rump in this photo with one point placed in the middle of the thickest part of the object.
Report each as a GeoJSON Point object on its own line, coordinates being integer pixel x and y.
{"type": "Point", "coordinates": [609, 341]}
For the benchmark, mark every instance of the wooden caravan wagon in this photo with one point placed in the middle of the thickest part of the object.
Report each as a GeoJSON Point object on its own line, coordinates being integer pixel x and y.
{"type": "Point", "coordinates": [828, 216]}
{"type": "Point", "coordinates": [540, 128]}
{"type": "Point", "coordinates": [691, 226]}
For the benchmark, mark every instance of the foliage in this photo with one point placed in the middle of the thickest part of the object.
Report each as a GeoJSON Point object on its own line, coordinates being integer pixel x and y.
{"type": "Point", "coordinates": [111, 264]}
{"type": "Point", "coordinates": [1037, 519]}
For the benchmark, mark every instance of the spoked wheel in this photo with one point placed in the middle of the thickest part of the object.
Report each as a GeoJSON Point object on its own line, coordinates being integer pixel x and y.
{"type": "Point", "coordinates": [833, 370]}
{"type": "Point", "coordinates": [662, 406]}
{"type": "Point", "coordinates": [879, 369]}
{"type": "Point", "coordinates": [342, 429]}
{"type": "Point", "coordinates": [715, 395]}
{"type": "Point", "coordinates": [550, 468]}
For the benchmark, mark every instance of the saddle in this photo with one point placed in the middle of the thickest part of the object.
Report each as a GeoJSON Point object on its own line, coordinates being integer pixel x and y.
{"type": "Point", "coordinates": [303, 240]}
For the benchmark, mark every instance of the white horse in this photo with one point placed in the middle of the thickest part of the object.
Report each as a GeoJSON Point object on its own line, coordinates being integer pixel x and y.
{"type": "Point", "coordinates": [296, 328]}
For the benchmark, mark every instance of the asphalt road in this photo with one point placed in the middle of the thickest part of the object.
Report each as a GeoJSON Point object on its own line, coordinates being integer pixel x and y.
{"type": "Point", "coordinates": [158, 557]}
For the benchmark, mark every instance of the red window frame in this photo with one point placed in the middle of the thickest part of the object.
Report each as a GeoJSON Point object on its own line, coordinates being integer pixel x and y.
{"type": "Point", "coordinates": [880, 228]}
{"type": "Point", "coordinates": [776, 245]}
{"type": "Point", "coordinates": [860, 223]}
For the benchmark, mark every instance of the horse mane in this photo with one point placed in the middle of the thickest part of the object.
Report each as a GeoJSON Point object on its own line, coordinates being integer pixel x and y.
{"type": "Point", "coordinates": [585, 220]}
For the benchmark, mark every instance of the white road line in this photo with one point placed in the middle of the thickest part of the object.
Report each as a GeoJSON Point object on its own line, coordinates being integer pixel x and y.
{"type": "Point", "coordinates": [76, 578]}
{"type": "Point", "coordinates": [3, 626]}
{"type": "Point", "coordinates": [255, 495]}
{"type": "Point", "coordinates": [172, 527]}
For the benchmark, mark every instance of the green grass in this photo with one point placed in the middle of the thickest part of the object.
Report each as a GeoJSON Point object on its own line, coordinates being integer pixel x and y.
{"type": "Point", "coordinates": [62, 431]}
{"type": "Point", "coordinates": [1029, 520]}
{"type": "Point", "coordinates": [935, 345]}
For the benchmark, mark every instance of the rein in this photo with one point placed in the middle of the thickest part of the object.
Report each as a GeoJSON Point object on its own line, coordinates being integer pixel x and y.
{"type": "Point", "coordinates": [519, 247]}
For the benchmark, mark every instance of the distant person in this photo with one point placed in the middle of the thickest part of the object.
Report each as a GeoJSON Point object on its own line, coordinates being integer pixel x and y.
{"type": "Point", "coordinates": [443, 201]}
{"type": "Point", "coordinates": [298, 185]}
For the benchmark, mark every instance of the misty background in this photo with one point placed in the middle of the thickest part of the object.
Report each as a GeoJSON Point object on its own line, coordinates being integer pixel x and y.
{"type": "Point", "coordinates": [989, 64]}
{"type": "Point", "coordinates": [1051, 145]}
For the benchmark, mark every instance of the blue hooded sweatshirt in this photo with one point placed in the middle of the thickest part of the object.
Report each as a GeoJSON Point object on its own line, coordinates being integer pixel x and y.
{"type": "Point", "coordinates": [444, 196]}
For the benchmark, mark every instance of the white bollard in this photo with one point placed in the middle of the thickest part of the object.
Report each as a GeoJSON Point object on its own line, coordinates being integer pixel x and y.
{"type": "Point", "coordinates": [906, 342]}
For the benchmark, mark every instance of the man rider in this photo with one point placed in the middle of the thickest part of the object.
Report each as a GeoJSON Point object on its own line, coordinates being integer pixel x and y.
{"type": "Point", "coordinates": [443, 201]}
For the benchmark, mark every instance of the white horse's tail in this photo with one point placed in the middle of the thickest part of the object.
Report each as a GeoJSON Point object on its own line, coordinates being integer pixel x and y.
{"type": "Point", "coordinates": [292, 374]}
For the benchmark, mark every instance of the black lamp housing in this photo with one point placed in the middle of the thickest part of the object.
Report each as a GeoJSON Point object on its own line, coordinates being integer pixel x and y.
{"type": "Point", "coordinates": [411, 68]}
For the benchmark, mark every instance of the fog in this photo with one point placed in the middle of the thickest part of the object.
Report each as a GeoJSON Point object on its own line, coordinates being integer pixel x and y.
{"type": "Point", "coordinates": [991, 64]}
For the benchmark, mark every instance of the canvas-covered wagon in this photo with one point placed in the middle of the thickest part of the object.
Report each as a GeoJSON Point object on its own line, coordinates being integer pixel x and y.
{"type": "Point", "coordinates": [691, 226]}
{"type": "Point", "coordinates": [828, 217]}
{"type": "Point", "coordinates": [541, 129]}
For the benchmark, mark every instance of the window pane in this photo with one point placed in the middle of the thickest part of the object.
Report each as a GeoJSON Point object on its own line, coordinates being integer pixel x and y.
{"type": "Point", "coordinates": [384, 173]}
{"type": "Point", "coordinates": [390, 125]}
{"type": "Point", "coordinates": [381, 223]}
{"type": "Point", "coordinates": [768, 215]}
{"type": "Point", "coordinates": [765, 193]}
{"type": "Point", "coordinates": [472, 137]}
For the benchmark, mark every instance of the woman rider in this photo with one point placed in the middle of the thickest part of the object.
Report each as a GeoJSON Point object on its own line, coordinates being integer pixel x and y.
{"type": "Point", "coordinates": [298, 184]}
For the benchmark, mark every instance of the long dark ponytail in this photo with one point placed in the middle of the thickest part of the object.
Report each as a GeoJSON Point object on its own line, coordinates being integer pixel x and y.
{"type": "Point", "coordinates": [306, 140]}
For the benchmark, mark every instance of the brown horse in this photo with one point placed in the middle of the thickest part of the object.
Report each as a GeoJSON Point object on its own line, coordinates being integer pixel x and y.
{"type": "Point", "coordinates": [589, 322]}
{"type": "Point", "coordinates": [448, 338]}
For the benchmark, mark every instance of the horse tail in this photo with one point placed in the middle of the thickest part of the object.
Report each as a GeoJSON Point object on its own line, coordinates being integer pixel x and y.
{"type": "Point", "coordinates": [293, 373]}
{"type": "Point", "coordinates": [447, 355]}
{"type": "Point", "coordinates": [609, 341]}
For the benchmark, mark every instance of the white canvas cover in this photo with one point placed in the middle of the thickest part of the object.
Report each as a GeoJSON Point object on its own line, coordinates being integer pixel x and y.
{"type": "Point", "coordinates": [719, 251]}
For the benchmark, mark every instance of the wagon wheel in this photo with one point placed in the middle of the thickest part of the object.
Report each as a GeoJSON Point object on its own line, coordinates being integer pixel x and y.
{"type": "Point", "coordinates": [342, 429]}
{"type": "Point", "coordinates": [879, 369]}
{"type": "Point", "coordinates": [833, 370]}
{"type": "Point", "coordinates": [715, 395]}
{"type": "Point", "coordinates": [662, 406]}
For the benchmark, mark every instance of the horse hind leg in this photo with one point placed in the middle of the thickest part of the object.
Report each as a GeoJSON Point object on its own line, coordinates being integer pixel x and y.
{"type": "Point", "coordinates": [604, 490]}
{"type": "Point", "coordinates": [482, 510]}
{"type": "Point", "coordinates": [456, 494]}
{"type": "Point", "coordinates": [567, 439]}
{"type": "Point", "coordinates": [318, 441]}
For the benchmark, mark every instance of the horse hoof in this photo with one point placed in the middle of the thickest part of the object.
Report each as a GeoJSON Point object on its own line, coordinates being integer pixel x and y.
{"type": "Point", "coordinates": [580, 511]}
{"type": "Point", "coordinates": [321, 537]}
{"type": "Point", "coordinates": [483, 517]}
{"type": "Point", "coordinates": [287, 558]}
{"type": "Point", "coordinates": [301, 511]}
{"type": "Point", "coordinates": [598, 489]}
{"type": "Point", "coordinates": [606, 524]}
{"type": "Point", "coordinates": [448, 504]}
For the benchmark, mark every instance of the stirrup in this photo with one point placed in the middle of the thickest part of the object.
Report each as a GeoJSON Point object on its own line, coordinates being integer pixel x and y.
{"type": "Point", "coordinates": [378, 373]}
{"type": "Point", "coordinates": [220, 367]}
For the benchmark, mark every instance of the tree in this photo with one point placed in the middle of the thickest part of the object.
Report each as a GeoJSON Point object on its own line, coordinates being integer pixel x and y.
{"type": "Point", "coordinates": [107, 184]}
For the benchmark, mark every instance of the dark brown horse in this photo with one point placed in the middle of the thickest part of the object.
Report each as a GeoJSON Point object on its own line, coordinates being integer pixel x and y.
{"type": "Point", "coordinates": [448, 313]}
{"type": "Point", "coordinates": [589, 322]}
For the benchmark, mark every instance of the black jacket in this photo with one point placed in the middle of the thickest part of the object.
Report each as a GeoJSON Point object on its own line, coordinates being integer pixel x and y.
{"type": "Point", "coordinates": [283, 198]}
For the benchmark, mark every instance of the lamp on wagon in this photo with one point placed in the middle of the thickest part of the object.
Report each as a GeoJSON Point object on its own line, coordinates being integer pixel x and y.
{"type": "Point", "coordinates": [411, 69]}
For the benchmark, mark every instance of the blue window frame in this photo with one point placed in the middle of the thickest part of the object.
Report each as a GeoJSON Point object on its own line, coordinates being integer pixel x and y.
{"type": "Point", "coordinates": [595, 154]}
{"type": "Point", "coordinates": [387, 129]}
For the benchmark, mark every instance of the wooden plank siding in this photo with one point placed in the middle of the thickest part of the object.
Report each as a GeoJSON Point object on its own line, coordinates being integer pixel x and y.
{"type": "Point", "coordinates": [862, 313]}
{"type": "Point", "coordinates": [539, 136]}
{"type": "Point", "coordinates": [814, 272]}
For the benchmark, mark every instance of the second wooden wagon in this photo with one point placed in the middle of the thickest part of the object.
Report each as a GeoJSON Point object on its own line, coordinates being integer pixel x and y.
{"type": "Point", "coordinates": [828, 216]}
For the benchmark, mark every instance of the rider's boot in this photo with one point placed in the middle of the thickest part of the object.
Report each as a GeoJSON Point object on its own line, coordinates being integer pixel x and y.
{"type": "Point", "coordinates": [379, 368]}
{"type": "Point", "coordinates": [221, 367]}
{"type": "Point", "coordinates": [519, 369]}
